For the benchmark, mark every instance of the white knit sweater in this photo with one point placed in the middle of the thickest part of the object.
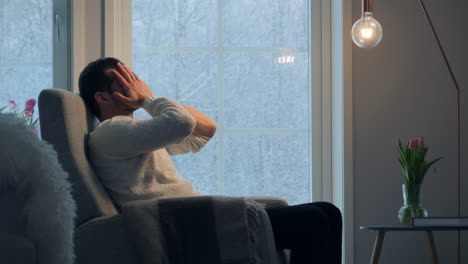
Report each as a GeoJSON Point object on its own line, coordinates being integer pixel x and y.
{"type": "Point", "coordinates": [131, 156]}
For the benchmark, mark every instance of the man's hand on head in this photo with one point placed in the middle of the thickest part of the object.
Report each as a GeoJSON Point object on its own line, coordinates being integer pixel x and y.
{"type": "Point", "coordinates": [136, 90]}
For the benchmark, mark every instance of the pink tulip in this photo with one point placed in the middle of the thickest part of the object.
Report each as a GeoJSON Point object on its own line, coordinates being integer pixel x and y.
{"type": "Point", "coordinates": [30, 104]}
{"type": "Point", "coordinates": [29, 112]}
{"type": "Point", "coordinates": [421, 142]}
{"type": "Point", "coordinates": [12, 104]}
{"type": "Point", "coordinates": [414, 143]}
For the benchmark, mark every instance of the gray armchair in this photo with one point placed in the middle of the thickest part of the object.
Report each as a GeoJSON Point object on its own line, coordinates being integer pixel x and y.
{"type": "Point", "coordinates": [100, 235]}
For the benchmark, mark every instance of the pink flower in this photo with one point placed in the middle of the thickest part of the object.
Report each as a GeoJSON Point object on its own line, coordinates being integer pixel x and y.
{"type": "Point", "coordinates": [30, 104]}
{"type": "Point", "coordinates": [36, 130]}
{"type": "Point", "coordinates": [29, 112]}
{"type": "Point", "coordinates": [12, 104]}
{"type": "Point", "coordinates": [421, 141]}
{"type": "Point", "coordinates": [414, 143]}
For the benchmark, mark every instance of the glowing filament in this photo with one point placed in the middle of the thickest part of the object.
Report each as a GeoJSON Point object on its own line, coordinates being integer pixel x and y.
{"type": "Point", "coordinates": [367, 33]}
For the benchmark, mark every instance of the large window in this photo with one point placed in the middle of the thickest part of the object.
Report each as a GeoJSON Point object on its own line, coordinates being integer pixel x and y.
{"type": "Point", "coordinates": [25, 49]}
{"type": "Point", "coordinates": [244, 63]}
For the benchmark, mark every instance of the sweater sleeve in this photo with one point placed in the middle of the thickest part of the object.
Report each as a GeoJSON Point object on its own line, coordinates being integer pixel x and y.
{"type": "Point", "coordinates": [192, 143]}
{"type": "Point", "coordinates": [126, 137]}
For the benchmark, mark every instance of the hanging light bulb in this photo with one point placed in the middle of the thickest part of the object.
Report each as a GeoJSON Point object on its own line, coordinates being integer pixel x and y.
{"type": "Point", "coordinates": [367, 32]}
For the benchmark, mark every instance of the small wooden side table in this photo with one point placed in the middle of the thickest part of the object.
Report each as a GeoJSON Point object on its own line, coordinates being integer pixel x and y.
{"type": "Point", "coordinates": [381, 230]}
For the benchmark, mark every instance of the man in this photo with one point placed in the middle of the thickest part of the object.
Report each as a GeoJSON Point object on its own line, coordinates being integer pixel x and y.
{"type": "Point", "coordinates": [132, 157]}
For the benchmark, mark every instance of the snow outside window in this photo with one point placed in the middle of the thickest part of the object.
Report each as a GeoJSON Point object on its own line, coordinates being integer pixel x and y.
{"type": "Point", "coordinates": [244, 63]}
{"type": "Point", "coordinates": [25, 49]}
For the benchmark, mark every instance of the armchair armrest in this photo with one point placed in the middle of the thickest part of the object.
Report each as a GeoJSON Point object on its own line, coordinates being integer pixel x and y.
{"type": "Point", "coordinates": [16, 249]}
{"type": "Point", "coordinates": [268, 201]}
{"type": "Point", "coordinates": [103, 240]}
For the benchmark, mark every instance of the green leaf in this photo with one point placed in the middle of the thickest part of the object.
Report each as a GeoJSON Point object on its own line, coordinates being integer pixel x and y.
{"type": "Point", "coordinates": [399, 144]}
{"type": "Point", "coordinates": [427, 166]}
{"type": "Point", "coordinates": [402, 162]}
{"type": "Point", "coordinates": [433, 162]}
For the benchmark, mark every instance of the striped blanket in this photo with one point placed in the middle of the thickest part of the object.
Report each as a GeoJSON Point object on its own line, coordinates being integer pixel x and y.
{"type": "Point", "coordinates": [204, 229]}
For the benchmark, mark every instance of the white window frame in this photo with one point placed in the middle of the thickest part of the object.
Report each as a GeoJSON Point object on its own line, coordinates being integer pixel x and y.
{"type": "Point", "coordinates": [332, 142]}
{"type": "Point", "coordinates": [342, 118]}
{"type": "Point", "coordinates": [102, 28]}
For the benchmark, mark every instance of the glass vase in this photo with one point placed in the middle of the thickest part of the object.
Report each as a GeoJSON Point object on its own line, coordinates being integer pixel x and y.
{"type": "Point", "coordinates": [412, 204]}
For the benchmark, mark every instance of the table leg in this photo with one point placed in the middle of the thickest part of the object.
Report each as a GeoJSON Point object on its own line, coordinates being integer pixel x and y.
{"type": "Point", "coordinates": [432, 248]}
{"type": "Point", "coordinates": [377, 247]}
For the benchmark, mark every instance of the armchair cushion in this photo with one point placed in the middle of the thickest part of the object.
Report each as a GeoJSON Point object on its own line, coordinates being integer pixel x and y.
{"type": "Point", "coordinates": [103, 240]}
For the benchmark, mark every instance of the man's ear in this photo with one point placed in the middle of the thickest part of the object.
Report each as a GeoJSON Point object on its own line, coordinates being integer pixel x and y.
{"type": "Point", "coordinates": [103, 98]}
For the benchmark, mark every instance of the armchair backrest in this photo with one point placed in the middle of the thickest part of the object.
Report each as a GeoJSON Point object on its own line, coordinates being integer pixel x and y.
{"type": "Point", "coordinates": [65, 124]}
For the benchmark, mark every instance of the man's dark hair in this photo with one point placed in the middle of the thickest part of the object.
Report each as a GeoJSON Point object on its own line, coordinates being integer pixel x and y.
{"type": "Point", "coordinates": [93, 79]}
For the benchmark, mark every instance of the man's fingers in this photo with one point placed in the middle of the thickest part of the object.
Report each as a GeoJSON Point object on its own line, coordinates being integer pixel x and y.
{"type": "Point", "coordinates": [129, 72]}
{"type": "Point", "coordinates": [121, 98]}
{"type": "Point", "coordinates": [121, 79]}
{"type": "Point", "coordinates": [127, 69]}
{"type": "Point", "coordinates": [132, 73]}
{"type": "Point", "coordinates": [136, 76]}
{"type": "Point", "coordinates": [124, 72]}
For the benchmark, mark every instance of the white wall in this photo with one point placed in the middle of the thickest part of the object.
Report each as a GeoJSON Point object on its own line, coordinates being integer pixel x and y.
{"type": "Point", "coordinates": [402, 88]}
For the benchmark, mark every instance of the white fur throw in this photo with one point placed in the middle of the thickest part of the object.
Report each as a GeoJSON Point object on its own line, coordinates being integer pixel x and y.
{"type": "Point", "coordinates": [30, 166]}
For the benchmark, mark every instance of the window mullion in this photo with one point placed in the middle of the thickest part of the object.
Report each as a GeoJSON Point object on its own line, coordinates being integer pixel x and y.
{"type": "Point", "coordinates": [326, 124]}
{"type": "Point", "coordinates": [220, 97]}
{"type": "Point", "coordinates": [225, 49]}
{"type": "Point", "coordinates": [316, 102]}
